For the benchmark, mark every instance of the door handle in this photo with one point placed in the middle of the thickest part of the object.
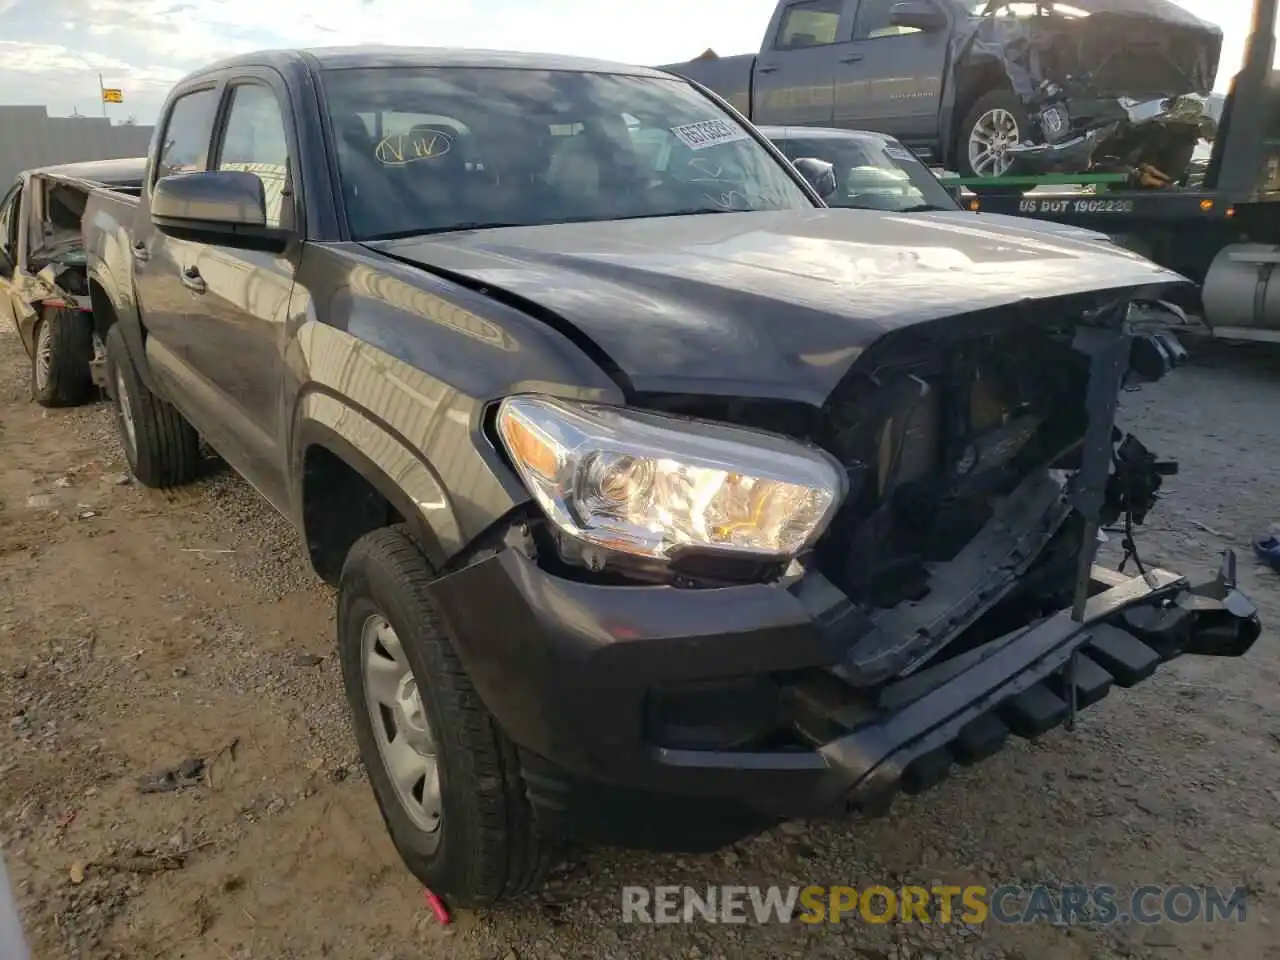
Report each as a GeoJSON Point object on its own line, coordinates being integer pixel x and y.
{"type": "Point", "coordinates": [765, 69]}
{"type": "Point", "coordinates": [140, 252]}
{"type": "Point", "coordinates": [852, 58]}
{"type": "Point", "coordinates": [192, 280]}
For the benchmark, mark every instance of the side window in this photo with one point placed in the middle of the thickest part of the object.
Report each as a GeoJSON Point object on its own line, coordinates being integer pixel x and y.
{"type": "Point", "coordinates": [185, 148]}
{"type": "Point", "coordinates": [9, 225]}
{"type": "Point", "coordinates": [872, 21]}
{"type": "Point", "coordinates": [255, 143]}
{"type": "Point", "coordinates": [810, 23]}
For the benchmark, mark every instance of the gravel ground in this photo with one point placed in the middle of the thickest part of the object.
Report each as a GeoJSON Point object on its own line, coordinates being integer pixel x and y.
{"type": "Point", "coordinates": [183, 633]}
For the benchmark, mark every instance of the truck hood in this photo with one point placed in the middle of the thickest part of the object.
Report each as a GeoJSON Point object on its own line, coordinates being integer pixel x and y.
{"type": "Point", "coordinates": [771, 304]}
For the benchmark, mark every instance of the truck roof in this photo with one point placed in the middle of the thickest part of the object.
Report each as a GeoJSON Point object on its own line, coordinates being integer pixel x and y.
{"type": "Point", "coordinates": [773, 131]}
{"type": "Point", "coordinates": [339, 58]}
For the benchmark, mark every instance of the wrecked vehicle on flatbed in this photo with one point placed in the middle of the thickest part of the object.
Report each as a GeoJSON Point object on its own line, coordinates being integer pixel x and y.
{"type": "Point", "coordinates": [44, 289]}
{"type": "Point", "coordinates": [988, 87]}
{"type": "Point", "coordinates": [663, 502]}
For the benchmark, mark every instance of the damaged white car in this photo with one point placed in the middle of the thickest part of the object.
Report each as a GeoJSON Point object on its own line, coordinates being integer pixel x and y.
{"type": "Point", "coordinates": [43, 287]}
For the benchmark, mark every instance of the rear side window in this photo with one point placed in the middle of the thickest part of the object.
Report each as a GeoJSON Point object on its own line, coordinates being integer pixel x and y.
{"type": "Point", "coordinates": [812, 23]}
{"type": "Point", "coordinates": [255, 142]}
{"type": "Point", "coordinates": [185, 148]}
{"type": "Point", "coordinates": [872, 21]}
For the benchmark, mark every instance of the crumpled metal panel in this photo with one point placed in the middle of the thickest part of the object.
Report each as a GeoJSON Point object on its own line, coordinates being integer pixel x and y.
{"type": "Point", "coordinates": [1087, 79]}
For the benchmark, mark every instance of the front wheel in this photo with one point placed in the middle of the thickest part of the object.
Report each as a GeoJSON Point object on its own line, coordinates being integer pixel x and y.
{"type": "Point", "coordinates": [446, 778]}
{"type": "Point", "coordinates": [60, 365]}
{"type": "Point", "coordinates": [995, 122]}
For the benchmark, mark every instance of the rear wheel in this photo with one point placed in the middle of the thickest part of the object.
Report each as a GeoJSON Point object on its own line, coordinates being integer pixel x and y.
{"type": "Point", "coordinates": [995, 122]}
{"type": "Point", "coordinates": [445, 777]}
{"type": "Point", "coordinates": [162, 448]}
{"type": "Point", "coordinates": [60, 374]}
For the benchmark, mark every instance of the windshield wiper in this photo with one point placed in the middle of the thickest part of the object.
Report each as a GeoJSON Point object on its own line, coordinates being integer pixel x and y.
{"type": "Point", "coordinates": [689, 212]}
{"type": "Point", "coordinates": [449, 228]}
{"type": "Point", "coordinates": [925, 208]}
{"type": "Point", "coordinates": [493, 225]}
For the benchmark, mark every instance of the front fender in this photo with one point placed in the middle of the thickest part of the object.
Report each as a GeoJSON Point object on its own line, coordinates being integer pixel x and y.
{"type": "Point", "coordinates": [379, 455]}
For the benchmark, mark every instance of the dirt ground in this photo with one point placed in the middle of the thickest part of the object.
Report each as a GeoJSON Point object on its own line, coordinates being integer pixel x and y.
{"type": "Point", "coordinates": [140, 631]}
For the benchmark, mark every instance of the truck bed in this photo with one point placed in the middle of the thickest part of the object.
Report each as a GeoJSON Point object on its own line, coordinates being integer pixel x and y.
{"type": "Point", "coordinates": [107, 228]}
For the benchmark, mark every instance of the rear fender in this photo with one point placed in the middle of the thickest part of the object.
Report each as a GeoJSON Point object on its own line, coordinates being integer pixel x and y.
{"type": "Point", "coordinates": [113, 303]}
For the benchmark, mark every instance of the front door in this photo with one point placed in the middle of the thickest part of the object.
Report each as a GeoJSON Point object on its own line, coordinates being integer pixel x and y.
{"type": "Point", "coordinates": [238, 318]}
{"type": "Point", "coordinates": [890, 79]}
{"type": "Point", "coordinates": [795, 71]}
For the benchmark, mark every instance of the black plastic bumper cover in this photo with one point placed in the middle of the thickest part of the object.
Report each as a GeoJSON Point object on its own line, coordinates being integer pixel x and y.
{"type": "Point", "coordinates": [565, 668]}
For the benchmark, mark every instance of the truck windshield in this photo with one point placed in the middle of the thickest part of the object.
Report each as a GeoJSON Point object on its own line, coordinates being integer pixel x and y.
{"type": "Point", "coordinates": [428, 150]}
{"type": "Point", "coordinates": [874, 174]}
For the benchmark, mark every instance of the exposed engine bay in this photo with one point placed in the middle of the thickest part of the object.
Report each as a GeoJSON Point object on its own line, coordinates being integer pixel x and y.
{"type": "Point", "coordinates": [981, 468]}
{"type": "Point", "coordinates": [1111, 86]}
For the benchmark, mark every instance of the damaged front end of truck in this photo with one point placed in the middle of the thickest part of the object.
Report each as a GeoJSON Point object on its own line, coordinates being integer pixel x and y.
{"type": "Point", "coordinates": [1117, 86]}
{"type": "Point", "coordinates": [954, 600]}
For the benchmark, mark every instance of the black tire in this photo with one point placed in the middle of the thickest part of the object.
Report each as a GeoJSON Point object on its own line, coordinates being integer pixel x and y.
{"type": "Point", "coordinates": [486, 846]}
{"type": "Point", "coordinates": [163, 449]}
{"type": "Point", "coordinates": [60, 374]}
{"type": "Point", "coordinates": [998, 99]}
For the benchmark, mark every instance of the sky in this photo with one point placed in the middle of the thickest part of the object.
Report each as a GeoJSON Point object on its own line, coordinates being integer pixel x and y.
{"type": "Point", "coordinates": [51, 51]}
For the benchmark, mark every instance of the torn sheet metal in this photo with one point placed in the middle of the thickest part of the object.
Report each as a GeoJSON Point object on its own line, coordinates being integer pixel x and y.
{"type": "Point", "coordinates": [1109, 84]}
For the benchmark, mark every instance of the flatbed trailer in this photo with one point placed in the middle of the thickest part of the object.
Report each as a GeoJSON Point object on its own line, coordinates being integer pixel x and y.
{"type": "Point", "coordinates": [1223, 233]}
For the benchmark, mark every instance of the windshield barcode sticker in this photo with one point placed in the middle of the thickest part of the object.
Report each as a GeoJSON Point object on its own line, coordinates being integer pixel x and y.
{"type": "Point", "coordinates": [708, 133]}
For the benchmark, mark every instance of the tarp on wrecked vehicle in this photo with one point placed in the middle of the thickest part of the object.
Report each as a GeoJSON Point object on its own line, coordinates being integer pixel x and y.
{"type": "Point", "coordinates": [1114, 84]}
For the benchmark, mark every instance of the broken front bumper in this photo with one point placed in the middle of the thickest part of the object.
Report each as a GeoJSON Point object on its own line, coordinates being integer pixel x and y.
{"type": "Point", "coordinates": [1077, 133]}
{"type": "Point", "coordinates": [598, 685]}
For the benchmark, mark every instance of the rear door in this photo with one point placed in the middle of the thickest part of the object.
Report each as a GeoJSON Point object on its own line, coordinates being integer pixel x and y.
{"type": "Point", "coordinates": [165, 300]}
{"type": "Point", "coordinates": [891, 77]}
{"type": "Point", "coordinates": [796, 69]}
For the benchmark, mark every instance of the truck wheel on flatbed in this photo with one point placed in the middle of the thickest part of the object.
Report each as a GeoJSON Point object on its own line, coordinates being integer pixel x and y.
{"type": "Point", "coordinates": [995, 122]}
{"type": "Point", "coordinates": [446, 778]}
{"type": "Point", "coordinates": [60, 362]}
{"type": "Point", "coordinates": [162, 448]}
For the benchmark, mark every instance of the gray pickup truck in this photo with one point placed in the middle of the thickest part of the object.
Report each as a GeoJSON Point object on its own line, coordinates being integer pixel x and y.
{"type": "Point", "coordinates": [979, 85]}
{"type": "Point", "coordinates": [663, 502]}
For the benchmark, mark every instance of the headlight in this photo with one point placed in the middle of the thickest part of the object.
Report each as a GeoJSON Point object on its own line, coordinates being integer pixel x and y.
{"type": "Point", "coordinates": [651, 486]}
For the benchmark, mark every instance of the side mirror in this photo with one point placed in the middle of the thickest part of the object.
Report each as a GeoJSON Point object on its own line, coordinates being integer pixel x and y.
{"type": "Point", "coordinates": [921, 14]}
{"type": "Point", "coordinates": [818, 174]}
{"type": "Point", "coordinates": [222, 207]}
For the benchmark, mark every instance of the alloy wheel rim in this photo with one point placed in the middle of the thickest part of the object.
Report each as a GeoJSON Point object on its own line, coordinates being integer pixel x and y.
{"type": "Point", "coordinates": [989, 142]}
{"type": "Point", "coordinates": [405, 740]}
{"type": "Point", "coordinates": [44, 355]}
{"type": "Point", "coordinates": [125, 407]}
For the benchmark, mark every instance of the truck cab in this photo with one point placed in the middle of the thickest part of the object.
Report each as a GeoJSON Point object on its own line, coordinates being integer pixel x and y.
{"type": "Point", "coordinates": [822, 63]}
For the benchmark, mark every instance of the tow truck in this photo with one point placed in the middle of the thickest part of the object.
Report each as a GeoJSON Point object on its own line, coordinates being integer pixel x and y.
{"type": "Point", "coordinates": [1222, 232]}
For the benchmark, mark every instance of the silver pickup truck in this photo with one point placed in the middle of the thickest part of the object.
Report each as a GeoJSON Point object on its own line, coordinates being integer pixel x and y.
{"type": "Point", "coordinates": [986, 87]}
{"type": "Point", "coordinates": [44, 291]}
